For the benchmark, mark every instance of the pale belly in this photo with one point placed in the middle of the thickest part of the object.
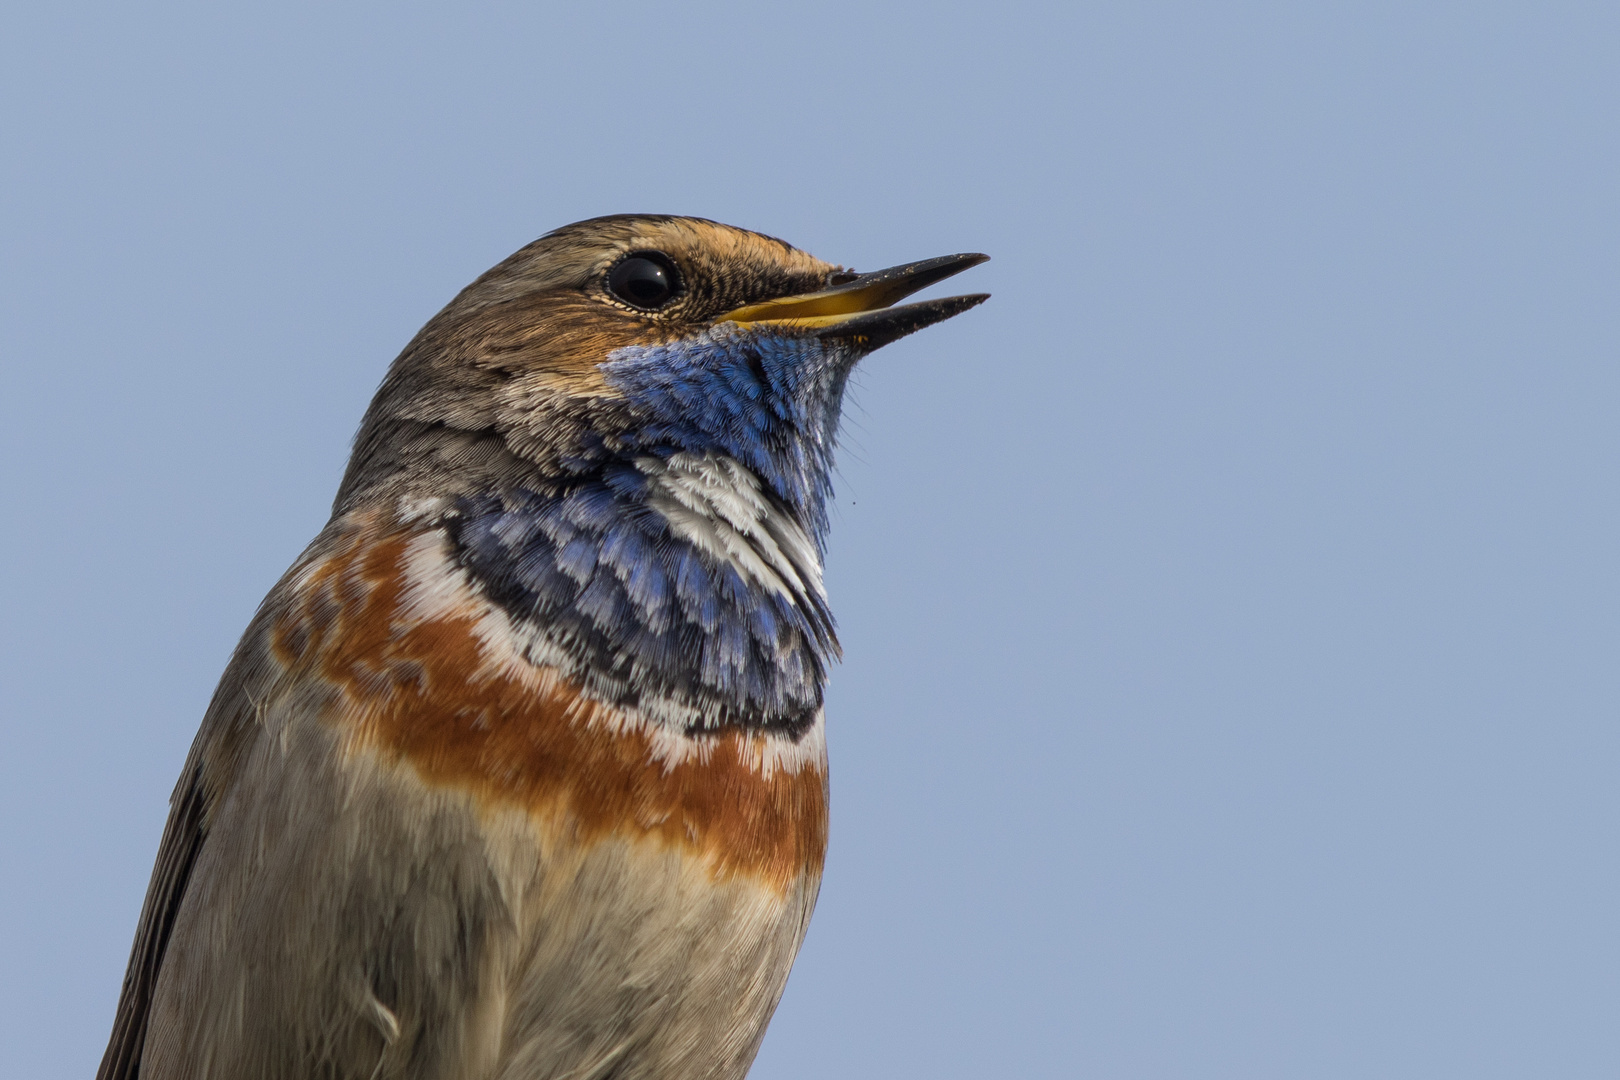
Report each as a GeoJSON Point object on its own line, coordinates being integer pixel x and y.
{"type": "Point", "coordinates": [375, 927]}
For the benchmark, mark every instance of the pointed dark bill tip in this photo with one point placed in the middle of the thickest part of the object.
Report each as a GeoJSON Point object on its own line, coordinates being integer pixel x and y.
{"type": "Point", "coordinates": [855, 294]}
{"type": "Point", "coordinates": [875, 329]}
{"type": "Point", "coordinates": [883, 287]}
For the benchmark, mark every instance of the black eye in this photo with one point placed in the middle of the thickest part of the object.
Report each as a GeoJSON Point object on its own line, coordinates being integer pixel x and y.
{"type": "Point", "coordinates": [644, 279]}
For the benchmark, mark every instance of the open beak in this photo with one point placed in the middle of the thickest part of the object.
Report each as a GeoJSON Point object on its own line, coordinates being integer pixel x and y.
{"type": "Point", "coordinates": [860, 311]}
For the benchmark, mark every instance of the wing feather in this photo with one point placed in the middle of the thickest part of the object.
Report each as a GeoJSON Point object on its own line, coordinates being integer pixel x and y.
{"type": "Point", "coordinates": [177, 854]}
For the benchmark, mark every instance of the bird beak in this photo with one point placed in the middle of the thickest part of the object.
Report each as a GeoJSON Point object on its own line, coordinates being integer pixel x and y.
{"type": "Point", "coordinates": [860, 311]}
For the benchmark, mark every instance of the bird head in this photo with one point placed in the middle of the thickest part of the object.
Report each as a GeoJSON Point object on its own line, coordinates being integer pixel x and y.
{"type": "Point", "coordinates": [634, 335]}
{"type": "Point", "coordinates": [625, 432]}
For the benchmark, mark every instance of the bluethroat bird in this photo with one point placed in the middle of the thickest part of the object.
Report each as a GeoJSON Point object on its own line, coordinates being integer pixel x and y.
{"type": "Point", "coordinates": [519, 772]}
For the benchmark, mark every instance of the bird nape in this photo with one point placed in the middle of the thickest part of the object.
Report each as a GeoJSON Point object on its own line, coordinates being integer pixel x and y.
{"type": "Point", "coordinates": [519, 771]}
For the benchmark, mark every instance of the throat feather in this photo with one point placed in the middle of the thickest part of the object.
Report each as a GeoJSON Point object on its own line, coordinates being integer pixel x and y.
{"type": "Point", "coordinates": [677, 585]}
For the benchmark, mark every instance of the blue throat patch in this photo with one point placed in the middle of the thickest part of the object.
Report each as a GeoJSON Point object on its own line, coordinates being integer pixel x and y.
{"type": "Point", "coordinates": [645, 618]}
{"type": "Point", "coordinates": [770, 401]}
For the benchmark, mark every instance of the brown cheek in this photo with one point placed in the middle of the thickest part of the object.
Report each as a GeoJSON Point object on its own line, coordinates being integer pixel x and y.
{"type": "Point", "coordinates": [560, 338]}
{"type": "Point", "coordinates": [420, 692]}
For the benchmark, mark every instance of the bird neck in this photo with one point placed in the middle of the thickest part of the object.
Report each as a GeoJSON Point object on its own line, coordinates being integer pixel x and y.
{"type": "Point", "coordinates": [671, 563]}
{"type": "Point", "coordinates": [769, 402]}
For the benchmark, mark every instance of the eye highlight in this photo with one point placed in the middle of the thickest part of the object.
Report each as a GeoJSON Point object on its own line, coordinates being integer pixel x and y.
{"type": "Point", "coordinates": [644, 279]}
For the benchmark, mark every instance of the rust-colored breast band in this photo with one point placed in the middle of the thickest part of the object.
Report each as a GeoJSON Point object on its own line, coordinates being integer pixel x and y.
{"type": "Point", "coordinates": [422, 691]}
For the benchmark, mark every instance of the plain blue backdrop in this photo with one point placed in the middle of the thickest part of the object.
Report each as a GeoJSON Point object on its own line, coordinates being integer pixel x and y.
{"type": "Point", "coordinates": [1230, 605]}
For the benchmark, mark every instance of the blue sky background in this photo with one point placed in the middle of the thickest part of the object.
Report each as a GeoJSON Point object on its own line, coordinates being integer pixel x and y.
{"type": "Point", "coordinates": [1230, 605]}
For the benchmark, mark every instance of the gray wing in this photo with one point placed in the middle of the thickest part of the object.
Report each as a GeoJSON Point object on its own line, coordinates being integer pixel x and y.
{"type": "Point", "coordinates": [182, 839]}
